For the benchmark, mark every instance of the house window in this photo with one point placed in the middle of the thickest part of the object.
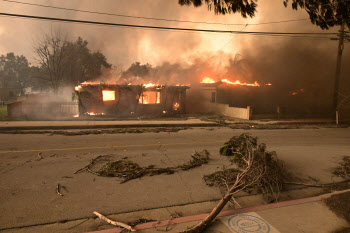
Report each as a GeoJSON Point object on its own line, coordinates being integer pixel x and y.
{"type": "Point", "coordinates": [108, 95]}
{"type": "Point", "coordinates": [150, 97]}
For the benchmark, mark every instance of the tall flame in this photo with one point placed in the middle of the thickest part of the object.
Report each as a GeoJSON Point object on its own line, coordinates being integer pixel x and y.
{"type": "Point", "coordinates": [208, 80]}
{"type": "Point", "coordinates": [255, 84]}
{"type": "Point", "coordinates": [237, 82]}
{"type": "Point", "coordinates": [150, 85]}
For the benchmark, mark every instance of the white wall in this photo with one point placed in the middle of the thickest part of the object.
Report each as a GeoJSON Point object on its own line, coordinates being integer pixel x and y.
{"type": "Point", "coordinates": [225, 109]}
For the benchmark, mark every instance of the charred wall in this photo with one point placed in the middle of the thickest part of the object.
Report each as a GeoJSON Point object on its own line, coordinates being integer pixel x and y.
{"type": "Point", "coordinates": [131, 100]}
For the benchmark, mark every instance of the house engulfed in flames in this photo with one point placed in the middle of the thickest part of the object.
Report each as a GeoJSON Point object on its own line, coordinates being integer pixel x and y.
{"type": "Point", "coordinates": [126, 100]}
{"type": "Point", "coordinates": [232, 98]}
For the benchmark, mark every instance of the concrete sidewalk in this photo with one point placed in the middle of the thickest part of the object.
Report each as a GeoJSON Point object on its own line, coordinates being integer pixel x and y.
{"type": "Point", "coordinates": [193, 122]}
{"type": "Point", "coordinates": [306, 215]}
{"type": "Point", "coordinates": [38, 125]}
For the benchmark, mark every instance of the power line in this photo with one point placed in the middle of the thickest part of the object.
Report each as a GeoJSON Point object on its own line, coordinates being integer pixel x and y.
{"type": "Point", "coordinates": [224, 46]}
{"type": "Point", "coordinates": [149, 18]}
{"type": "Point", "coordinates": [163, 28]}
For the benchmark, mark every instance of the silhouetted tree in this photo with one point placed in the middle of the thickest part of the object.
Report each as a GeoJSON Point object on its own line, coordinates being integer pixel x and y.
{"type": "Point", "coordinates": [15, 71]}
{"type": "Point", "coordinates": [137, 70]}
{"type": "Point", "coordinates": [82, 64]}
{"type": "Point", "coordinates": [325, 13]}
{"type": "Point", "coordinates": [244, 7]}
{"type": "Point", "coordinates": [52, 55]}
{"type": "Point", "coordinates": [66, 62]}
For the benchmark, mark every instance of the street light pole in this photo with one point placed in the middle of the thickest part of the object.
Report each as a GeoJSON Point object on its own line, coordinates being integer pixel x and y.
{"type": "Point", "coordinates": [337, 73]}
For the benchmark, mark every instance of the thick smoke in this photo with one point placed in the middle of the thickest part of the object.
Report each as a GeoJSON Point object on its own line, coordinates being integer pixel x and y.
{"type": "Point", "coordinates": [176, 57]}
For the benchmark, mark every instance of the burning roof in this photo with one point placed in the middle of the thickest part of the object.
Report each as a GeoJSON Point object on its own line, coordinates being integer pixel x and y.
{"type": "Point", "coordinates": [208, 80]}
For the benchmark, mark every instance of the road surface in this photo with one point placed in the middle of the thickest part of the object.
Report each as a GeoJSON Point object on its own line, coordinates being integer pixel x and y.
{"type": "Point", "coordinates": [28, 180]}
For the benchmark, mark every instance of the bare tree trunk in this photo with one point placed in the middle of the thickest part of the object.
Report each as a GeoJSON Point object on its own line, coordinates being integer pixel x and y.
{"type": "Point", "coordinates": [236, 187]}
{"type": "Point", "coordinates": [210, 218]}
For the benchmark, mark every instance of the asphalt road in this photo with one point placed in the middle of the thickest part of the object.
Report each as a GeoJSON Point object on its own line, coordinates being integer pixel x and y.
{"type": "Point", "coordinates": [28, 181]}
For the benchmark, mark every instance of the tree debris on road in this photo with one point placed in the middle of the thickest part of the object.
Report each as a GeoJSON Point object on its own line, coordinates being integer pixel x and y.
{"type": "Point", "coordinates": [58, 190]}
{"type": "Point", "coordinates": [343, 170]}
{"type": "Point", "coordinates": [266, 166]}
{"type": "Point", "coordinates": [256, 169]}
{"type": "Point", "coordinates": [119, 224]}
{"type": "Point", "coordinates": [40, 157]}
{"type": "Point", "coordinates": [128, 170]}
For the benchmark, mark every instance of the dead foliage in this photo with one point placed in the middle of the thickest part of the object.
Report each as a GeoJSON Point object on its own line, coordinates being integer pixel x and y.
{"type": "Point", "coordinates": [265, 165]}
{"type": "Point", "coordinates": [340, 205]}
{"type": "Point", "coordinates": [140, 221]}
{"type": "Point", "coordinates": [222, 179]}
{"type": "Point", "coordinates": [92, 162]}
{"type": "Point", "coordinates": [343, 170]}
{"type": "Point", "coordinates": [216, 118]}
{"type": "Point", "coordinates": [343, 230]}
{"type": "Point", "coordinates": [198, 159]}
{"type": "Point", "coordinates": [97, 131]}
{"type": "Point", "coordinates": [256, 169]}
{"type": "Point", "coordinates": [128, 170]}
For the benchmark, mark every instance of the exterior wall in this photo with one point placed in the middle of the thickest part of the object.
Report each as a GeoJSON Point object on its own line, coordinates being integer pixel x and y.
{"type": "Point", "coordinates": [33, 110]}
{"type": "Point", "coordinates": [126, 103]}
{"type": "Point", "coordinates": [225, 109]}
{"type": "Point", "coordinates": [14, 110]}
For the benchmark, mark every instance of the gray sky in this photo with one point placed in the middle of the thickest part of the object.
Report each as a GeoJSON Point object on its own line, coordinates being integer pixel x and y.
{"type": "Point", "coordinates": [124, 46]}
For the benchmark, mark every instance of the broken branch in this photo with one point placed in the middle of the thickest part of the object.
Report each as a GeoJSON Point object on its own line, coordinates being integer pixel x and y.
{"type": "Point", "coordinates": [40, 157]}
{"type": "Point", "coordinates": [87, 167]}
{"type": "Point", "coordinates": [58, 190]}
{"type": "Point", "coordinates": [120, 224]}
{"type": "Point", "coordinates": [305, 184]}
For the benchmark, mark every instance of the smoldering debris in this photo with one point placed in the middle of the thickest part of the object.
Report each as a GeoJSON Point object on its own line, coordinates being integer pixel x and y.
{"type": "Point", "coordinates": [128, 170]}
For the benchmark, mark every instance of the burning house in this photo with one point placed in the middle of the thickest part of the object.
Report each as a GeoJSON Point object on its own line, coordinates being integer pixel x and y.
{"type": "Point", "coordinates": [234, 99]}
{"type": "Point", "coordinates": [127, 100]}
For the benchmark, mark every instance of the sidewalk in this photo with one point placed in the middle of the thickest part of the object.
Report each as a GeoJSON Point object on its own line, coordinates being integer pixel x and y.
{"type": "Point", "coordinates": [305, 215]}
{"type": "Point", "coordinates": [41, 125]}
{"type": "Point", "coordinates": [38, 125]}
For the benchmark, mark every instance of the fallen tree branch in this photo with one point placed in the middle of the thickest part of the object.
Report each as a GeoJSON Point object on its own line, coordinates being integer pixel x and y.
{"type": "Point", "coordinates": [40, 157]}
{"type": "Point", "coordinates": [120, 224]}
{"type": "Point", "coordinates": [305, 184]}
{"type": "Point", "coordinates": [58, 190]}
{"type": "Point", "coordinates": [256, 169]}
{"type": "Point", "coordinates": [87, 167]}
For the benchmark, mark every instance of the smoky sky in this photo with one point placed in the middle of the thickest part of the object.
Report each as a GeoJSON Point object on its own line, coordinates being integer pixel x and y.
{"type": "Point", "coordinates": [186, 56]}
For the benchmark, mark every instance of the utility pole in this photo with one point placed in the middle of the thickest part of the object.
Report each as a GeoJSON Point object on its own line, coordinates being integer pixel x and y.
{"type": "Point", "coordinates": [337, 73]}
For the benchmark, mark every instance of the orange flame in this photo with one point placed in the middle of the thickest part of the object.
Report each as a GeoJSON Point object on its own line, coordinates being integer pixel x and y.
{"type": "Point", "coordinates": [255, 84]}
{"type": "Point", "coordinates": [208, 80]}
{"type": "Point", "coordinates": [176, 106]}
{"type": "Point", "coordinates": [150, 85]}
{"type": "Point", "coordinates": [297, 92]}
{"type": "Point", "coordinates": [94, 113]}
{"type": "Point", "coordinates": [237, 82]}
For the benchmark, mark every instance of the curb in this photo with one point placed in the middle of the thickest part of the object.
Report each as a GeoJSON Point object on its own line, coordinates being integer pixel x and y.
{"type": "Point", "coordinates": [56, 127]}
{"type": "Point", "coordinates": [150, 225]}
{"type": "Point", "coordinates": [304, 122]}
